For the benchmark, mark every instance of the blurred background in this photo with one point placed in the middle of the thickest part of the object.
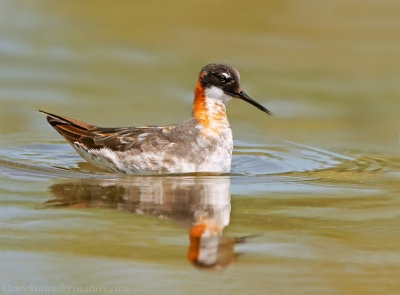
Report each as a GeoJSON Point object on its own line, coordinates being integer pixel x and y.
{"type": "Point", "coordinates": [316, 184]}
{"type": "Point", "coordinates": [328, 70]}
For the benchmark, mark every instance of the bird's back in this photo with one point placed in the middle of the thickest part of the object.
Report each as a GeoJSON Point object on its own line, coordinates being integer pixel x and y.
{"type": "Point", "coordinates": [179, 148]}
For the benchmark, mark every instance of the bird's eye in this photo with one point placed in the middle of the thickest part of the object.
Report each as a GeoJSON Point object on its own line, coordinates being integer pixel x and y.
{"type": "Point", "coordinates": [222, 78]}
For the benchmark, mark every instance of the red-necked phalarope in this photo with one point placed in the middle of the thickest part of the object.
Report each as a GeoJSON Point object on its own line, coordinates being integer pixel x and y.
{"type": "Point", "coordinates": [201, 144]}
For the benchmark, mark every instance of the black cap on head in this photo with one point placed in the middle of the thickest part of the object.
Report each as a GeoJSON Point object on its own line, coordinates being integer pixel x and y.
{"type": "Point", "coordinates": [222, 76]}
{"type": "Point", "coordinates": [227, 79]}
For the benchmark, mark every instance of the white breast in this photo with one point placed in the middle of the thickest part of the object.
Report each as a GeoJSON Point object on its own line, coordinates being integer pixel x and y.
{"type": "Point", "coordinates": [220, 159]}
{"type": "Point", "coordinates": [215, 154]}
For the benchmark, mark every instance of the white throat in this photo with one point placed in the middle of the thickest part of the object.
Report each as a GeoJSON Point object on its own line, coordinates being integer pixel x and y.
{"type": "Point", "coordinates": [216, 94]}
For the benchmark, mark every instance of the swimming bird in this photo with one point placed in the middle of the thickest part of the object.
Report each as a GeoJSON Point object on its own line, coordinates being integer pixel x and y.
{"type": "Point", "coordinates": [202, 143]}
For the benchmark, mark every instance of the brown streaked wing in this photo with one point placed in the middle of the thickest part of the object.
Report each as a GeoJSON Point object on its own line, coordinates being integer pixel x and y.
{"type": "Point", "coordinates": [94, 137]}
{"type": "Point", "coordinates": [70, 121]}
{"type": "Point", "coordinates": [122, 139]}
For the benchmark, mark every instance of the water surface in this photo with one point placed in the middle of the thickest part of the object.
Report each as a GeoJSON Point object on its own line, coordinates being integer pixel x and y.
{"type": "Point", "coordinates": [311, 205]}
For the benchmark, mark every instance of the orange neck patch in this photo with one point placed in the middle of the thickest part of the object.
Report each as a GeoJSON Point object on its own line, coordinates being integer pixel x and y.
{"type": "Point", "coordinates": [211, 114]}
{"type": "Point", "coordinates": [195, 236]}
{"type": "Point", "coordinates": [196, 232]}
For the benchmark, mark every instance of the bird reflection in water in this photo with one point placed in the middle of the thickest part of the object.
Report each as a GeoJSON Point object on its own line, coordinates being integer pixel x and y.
{"type": "Point", "coordinates": [202, 203]}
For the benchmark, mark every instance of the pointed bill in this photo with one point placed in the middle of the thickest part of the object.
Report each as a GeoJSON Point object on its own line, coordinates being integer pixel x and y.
{"type": "Point", "coordinates": [242, 95]}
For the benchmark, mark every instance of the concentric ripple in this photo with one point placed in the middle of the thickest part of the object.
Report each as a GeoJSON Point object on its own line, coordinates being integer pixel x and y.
{"type": "Point", "coordinates": [282, 157]}
{"type": "Point", "coordinates": [279, 159]}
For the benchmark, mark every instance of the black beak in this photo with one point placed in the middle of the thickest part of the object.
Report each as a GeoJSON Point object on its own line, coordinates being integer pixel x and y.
{"type": "Point", "coordinates": [245, 97]}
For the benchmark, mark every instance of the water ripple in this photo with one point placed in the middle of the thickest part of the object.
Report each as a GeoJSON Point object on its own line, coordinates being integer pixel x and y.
{"type": "Point", "coordinates": [283, 158]}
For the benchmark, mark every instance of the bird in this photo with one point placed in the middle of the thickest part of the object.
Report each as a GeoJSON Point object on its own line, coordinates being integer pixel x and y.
{"type": "Point", "coordinates": [203, 143]}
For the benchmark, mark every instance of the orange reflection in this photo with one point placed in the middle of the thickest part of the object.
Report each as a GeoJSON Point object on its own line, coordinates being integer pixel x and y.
{"type": "Point", "coordinates": [201, 203]}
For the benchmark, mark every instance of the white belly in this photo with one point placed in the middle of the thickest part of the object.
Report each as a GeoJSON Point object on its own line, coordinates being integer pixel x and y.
{"type": "Point", "coordinates": [204, 156]}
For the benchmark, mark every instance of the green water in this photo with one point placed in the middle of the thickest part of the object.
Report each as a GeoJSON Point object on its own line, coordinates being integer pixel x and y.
{"type": "Point", "coordinates": [312, 202]}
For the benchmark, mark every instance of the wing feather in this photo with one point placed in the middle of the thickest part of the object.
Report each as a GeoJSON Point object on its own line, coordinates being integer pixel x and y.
{"type": "Point", "coordinates": [117, 139]}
